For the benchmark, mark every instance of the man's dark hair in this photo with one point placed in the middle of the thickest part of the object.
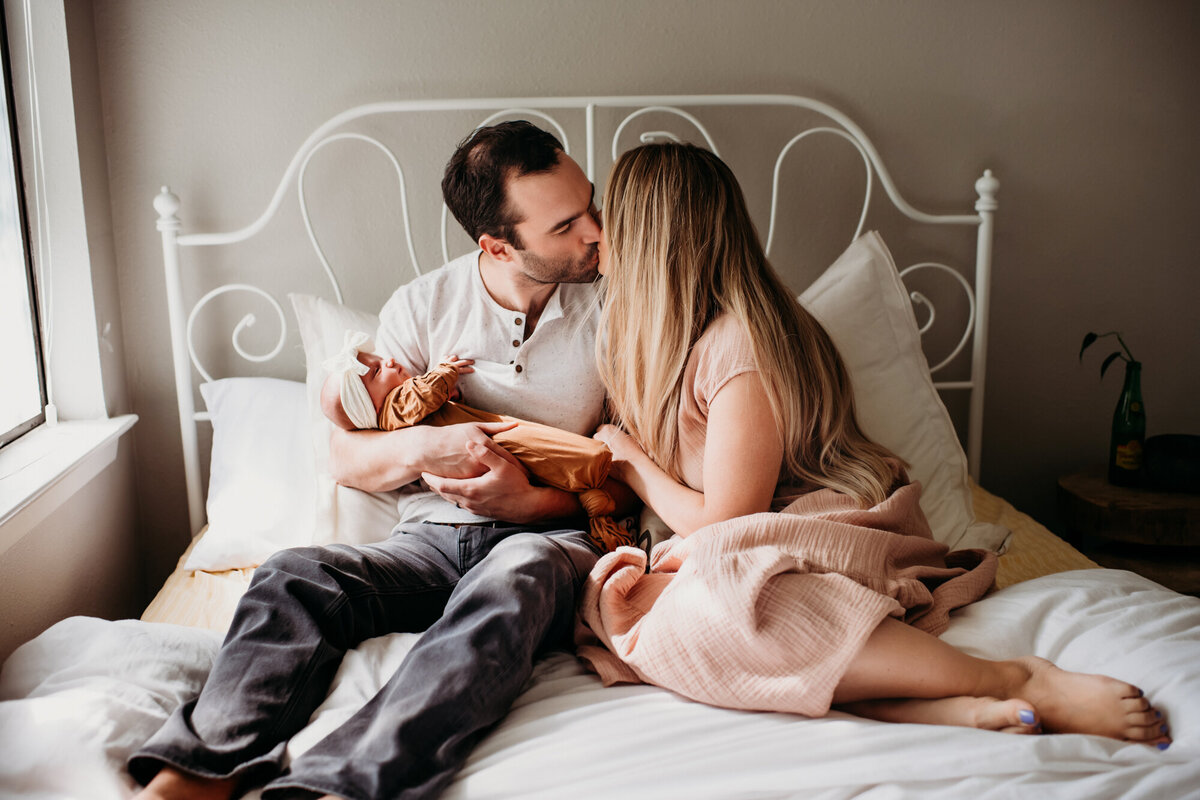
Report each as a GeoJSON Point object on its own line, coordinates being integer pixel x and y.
{"type": "Point", "coordinates": [475, 183]}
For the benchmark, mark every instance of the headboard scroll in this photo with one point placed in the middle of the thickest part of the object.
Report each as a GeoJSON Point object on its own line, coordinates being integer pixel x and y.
{"type": "Point", "coordinates": [616, 117]}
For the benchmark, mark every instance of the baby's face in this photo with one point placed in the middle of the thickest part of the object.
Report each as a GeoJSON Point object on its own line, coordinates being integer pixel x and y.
{"type": "Point", "coordinates": [382, 376]}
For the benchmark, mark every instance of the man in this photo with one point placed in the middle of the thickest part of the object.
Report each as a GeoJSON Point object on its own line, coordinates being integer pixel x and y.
{"type": "Point", "coordinates": [489, 595]}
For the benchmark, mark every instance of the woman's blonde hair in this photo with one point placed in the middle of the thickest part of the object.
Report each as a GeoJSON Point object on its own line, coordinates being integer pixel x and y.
{"type": "Point", "coordinates": [682, 250]}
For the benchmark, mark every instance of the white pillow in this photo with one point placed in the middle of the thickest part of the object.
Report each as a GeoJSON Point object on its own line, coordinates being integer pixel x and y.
{"type": "Point", "coordinates": [342, 514]}
{"type": "Point", "coordinates": [260, 485]}
{"type": "Point", "coordinates": [862, 303]}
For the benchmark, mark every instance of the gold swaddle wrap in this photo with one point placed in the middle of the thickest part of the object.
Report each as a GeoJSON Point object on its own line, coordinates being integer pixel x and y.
{"type": "Point", "coordinates": [556, 458]}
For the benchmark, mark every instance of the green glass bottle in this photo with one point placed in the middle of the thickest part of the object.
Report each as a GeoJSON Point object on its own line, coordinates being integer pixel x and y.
{"type": "Point", "coordinates": [1128, 431]}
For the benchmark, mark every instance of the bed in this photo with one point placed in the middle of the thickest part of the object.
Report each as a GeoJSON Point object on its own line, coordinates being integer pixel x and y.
{"type": "Point", "coordinates": [76, 700]}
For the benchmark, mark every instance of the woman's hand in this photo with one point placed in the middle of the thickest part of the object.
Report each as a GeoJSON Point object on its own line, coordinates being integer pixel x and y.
{"type": "Point", "coordinates": [624, 447]}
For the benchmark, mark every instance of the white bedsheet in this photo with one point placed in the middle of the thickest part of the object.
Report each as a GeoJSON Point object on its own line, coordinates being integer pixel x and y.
{"type": "Point", "coordinates": [79, 698]}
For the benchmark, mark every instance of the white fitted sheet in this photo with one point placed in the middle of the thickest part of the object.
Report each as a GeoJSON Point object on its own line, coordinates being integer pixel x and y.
{"type": "Point", "coordinates": [80, 697]}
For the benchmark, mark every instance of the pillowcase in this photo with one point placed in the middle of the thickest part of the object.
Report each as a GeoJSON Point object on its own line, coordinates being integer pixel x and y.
{"type": "Point", "coordinates": [343, 514]}
{"type": "Point", "coordinates": [862, 303]}
{"type": "Point", "coordinates": [260, 484]}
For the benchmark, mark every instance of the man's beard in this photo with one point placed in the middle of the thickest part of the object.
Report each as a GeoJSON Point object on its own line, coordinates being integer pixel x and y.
{"type": "Point", "coordinates": [561, 270]}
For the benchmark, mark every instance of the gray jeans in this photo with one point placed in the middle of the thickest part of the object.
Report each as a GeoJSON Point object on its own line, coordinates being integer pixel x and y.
{"type": "Point", "coordinates": [489, 599]}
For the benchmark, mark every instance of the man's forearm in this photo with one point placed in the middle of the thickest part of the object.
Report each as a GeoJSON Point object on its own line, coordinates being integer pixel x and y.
{"type": "Point", "coordinates": [375, 461]}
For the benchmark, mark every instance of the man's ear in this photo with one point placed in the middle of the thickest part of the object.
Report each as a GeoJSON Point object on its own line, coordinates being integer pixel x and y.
{"type": "Point", "coordinates": [498, 249]}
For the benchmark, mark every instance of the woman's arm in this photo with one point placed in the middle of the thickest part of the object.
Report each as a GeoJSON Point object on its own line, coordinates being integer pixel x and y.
{"type": "Point", "coordinates": [742, 457]}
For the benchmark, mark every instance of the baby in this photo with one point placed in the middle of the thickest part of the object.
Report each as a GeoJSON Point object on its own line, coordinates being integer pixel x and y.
{"type": "Point", "coordinates": [364, 390]}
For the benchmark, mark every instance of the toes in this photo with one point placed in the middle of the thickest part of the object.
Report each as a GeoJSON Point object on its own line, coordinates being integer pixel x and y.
{"type": "Point", "coordinates": [1132, 705]}
{"type": "Point", "coordinates": [1159, 742]}
{"type": "Point", "coordinates": [1144, 719]}
{"type": "Point", "coordinates": [1027, 717]}
{"type": "Point", "coordinates": [1009, 716]}
{"type": "Point", "coordinates": [1148, 733]}
{"type": "Point", "coordinates": [1128, 690]}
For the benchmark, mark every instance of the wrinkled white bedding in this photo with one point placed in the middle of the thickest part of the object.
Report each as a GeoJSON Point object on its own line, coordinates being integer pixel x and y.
{"type": "Point", "coordinates": [79, 698]}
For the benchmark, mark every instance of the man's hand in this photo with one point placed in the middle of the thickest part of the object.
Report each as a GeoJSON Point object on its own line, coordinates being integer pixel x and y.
{"type": "Point", "coordinates": [502, 491]}
{"type": "Point", "coordinates": [453, 456]}
{"type": "Point", "coordinates": [379, 461]}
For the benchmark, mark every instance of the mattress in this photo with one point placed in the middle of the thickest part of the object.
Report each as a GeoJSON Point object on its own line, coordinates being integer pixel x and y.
{"type": "Point", "coordinates": [208, 599]}
{"type": "Point", "coordinates": [87, 692]}
{"type": "Point", "coordinates": [91, 691]}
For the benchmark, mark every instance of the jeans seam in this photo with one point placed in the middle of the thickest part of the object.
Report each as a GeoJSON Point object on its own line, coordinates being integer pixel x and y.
{"type": "Point", "coordinates": [301, 680]}
{"type": "Point", "coordinates": [570, 561]}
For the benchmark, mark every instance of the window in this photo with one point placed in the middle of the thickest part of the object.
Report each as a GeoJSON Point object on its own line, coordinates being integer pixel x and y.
{"type": "Point", "coordinates": [22, 375]}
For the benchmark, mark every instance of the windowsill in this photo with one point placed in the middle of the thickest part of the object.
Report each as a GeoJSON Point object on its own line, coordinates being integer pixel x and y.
{"type": "Point", "coordinates": [43, 469]}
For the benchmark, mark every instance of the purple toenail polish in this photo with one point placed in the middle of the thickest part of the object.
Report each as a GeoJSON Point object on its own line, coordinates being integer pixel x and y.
{"type": "Point", "coordinates": [1026, 716]}
{"type": "Point", "coordinates": [1163, 745]}
{"type": "Point", "coordinates": [1163, 729]}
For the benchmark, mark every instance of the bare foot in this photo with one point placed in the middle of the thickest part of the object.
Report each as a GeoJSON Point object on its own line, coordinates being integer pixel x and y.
{"type": "Point", "coordinates": [1073, 702]}
{"type": "Point", "coordinates": [172, 784]}
{"type": "Point", "coordinates": [985, 713]}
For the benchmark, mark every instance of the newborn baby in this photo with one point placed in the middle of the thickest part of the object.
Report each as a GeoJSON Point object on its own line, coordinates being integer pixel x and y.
{"type": "Point", "coordinates": [365, 391]}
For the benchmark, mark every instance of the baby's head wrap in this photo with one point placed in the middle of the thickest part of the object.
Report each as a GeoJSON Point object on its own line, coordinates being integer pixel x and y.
{"type": "Point", "coordinates": [356, 401]}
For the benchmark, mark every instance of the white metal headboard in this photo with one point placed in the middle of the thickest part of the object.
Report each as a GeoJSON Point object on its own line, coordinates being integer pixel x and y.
{"type": "Point", "coordinates": [541, 110]}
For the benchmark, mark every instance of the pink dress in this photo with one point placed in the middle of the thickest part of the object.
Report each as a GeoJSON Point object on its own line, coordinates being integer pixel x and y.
{"type": "Point", "coordinates": [766, 611]}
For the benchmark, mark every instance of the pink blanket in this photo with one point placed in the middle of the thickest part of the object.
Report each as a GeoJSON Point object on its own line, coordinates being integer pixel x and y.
{"type": "Point", "coordinates": [764, 612]}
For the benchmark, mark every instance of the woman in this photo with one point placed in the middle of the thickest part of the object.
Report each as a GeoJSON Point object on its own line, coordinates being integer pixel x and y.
{"type": "Point", "coordinates": [731, 400]}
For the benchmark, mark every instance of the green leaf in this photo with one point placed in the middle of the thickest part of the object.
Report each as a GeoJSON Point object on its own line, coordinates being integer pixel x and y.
{"type": "Point", "coordinates": [1087, 342]}
{"type": "Point", "coordinates": [1113, 357]}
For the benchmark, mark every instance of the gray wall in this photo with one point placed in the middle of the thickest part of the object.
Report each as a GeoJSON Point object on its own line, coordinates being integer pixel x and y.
{"type": "Point", "coordinates": [84, 556]}
{"type": "Point", "coordinates": [1085, 110]}
{"type": "Point", "coordinates": [82, 559]}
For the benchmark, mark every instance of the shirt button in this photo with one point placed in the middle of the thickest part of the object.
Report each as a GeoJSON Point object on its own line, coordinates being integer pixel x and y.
{"type": "Point", "coordinates": [518, 321]}
{"type": "Point", "coordinates": [518, 367]}
{"type": "Point", "coordinates": [516, 343]}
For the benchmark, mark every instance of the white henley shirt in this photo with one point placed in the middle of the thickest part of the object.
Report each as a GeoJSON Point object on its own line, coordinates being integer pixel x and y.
{"type": "Point", "coordinates": [549, 377]}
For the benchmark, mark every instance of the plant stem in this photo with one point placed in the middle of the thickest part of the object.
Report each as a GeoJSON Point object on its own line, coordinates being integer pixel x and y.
{"type": "Point", "coordinates": [1128, 355]}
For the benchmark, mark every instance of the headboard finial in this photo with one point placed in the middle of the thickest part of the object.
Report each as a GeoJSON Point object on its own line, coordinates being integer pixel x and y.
{"type": "Point", "coordinates": [167, 206]}
{"type": "Point", "coordinates": [986, 187]}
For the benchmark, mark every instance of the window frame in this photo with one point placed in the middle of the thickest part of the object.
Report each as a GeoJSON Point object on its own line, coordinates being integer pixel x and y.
{"type": "Point", "coordinates": [26, 426]}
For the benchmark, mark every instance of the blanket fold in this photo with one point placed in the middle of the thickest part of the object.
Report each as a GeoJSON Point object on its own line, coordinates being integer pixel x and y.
{"type": "Point", "coordinates": [765, 612]}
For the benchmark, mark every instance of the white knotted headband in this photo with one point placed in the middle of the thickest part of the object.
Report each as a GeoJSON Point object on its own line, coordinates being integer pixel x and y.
{"type": "Point", "coordinates": [356, 401]}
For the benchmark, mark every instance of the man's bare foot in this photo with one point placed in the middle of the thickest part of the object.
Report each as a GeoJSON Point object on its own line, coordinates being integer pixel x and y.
{"type": "Point", "coordinates": [985, 713]}
{"type": "Point", "coordinates": [172, 784]}
{"type": "Point", "coordinates": [1073, 702]}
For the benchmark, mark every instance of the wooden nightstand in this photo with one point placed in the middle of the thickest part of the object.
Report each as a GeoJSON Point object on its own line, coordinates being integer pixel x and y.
{"type": "Point", "coordinates": [1156, 534]}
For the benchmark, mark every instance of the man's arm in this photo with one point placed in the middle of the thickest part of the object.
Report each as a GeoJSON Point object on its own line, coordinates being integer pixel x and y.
{"type": "Point", "coordinates": [504, 492]}
{"type": "Point", "coordinates": [379, 461]}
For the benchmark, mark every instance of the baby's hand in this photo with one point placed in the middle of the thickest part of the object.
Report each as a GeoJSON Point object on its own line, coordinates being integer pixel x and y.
{"type": "Point", "coordinates": [461, 365]}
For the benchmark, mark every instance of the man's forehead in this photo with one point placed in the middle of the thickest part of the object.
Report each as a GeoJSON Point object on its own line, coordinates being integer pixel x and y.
{"type": "Point", "coordinates": [550, 196]}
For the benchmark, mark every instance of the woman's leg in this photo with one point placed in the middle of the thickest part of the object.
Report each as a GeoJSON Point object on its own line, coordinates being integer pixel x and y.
{"type": "Point", "coordinates": [942, 685]}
